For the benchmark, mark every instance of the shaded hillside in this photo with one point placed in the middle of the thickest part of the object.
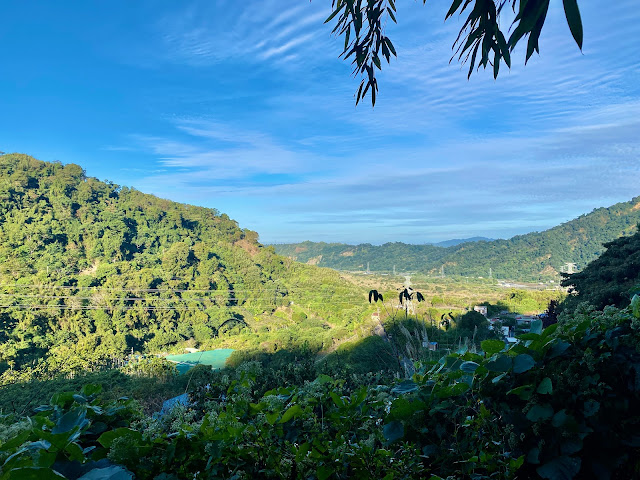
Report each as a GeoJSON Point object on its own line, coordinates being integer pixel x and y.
{"type": "Point", "coordinates": [611, 279]}
{"type": "Point", "coordinates": [534, 256]}
{"type": "Point", "coordinates": [101, 269]}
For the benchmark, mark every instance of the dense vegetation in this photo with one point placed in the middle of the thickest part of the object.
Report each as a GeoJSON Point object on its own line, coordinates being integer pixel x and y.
{"type": "Point", "coordinates": [561, 404]}
{"type": "Point", "coordinates": [316, 389]}
{"type": "Point", "coordinates": [534, 256]}
{"type": "Point", "coordinates": [90, 271]}
{"type": "Point", "coordinates": [611, 279]}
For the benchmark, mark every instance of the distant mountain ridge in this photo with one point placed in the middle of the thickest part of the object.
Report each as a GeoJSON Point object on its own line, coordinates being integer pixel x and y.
{"type": "Point", "coordinates": [534, 256]}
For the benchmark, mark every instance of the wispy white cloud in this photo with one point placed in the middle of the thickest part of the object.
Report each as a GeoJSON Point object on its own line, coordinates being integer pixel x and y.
{"type": "Point", "coordinates": [251, 32]}
{"type": "Point", "coordinates": [439, 155]}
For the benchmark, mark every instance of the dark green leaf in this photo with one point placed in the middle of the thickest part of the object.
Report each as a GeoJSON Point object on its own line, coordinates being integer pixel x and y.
{"type": "Point", "coordinates": [560, 418]}
{"type": "Point", "coordinates": [35, 473]}
{"type": "Point", "coordinates": [452, 390]}
{"type": "Point", "coordinates": [540, 412]}
{"type": "Point", "coordinates": [115, 472]}
{"type": "Point", "coordinates": [558, 348]}
{"type": "Point", "coordinates": [591, 407]}
{"type": "Point", "coordinates": [292, 412]}
{"type": "Point", "coordinates": [536, 326]}
{"type": "Point", "coordinates": [635, 306]}
{"type": "Point", "coordinates": [560, 468]}
{"type": "Point", "coordinates": [469, 367]}
{"type": "Point", "coordinates": [91, 389]}
{"type": "Point", "coordinates": [522, 363]}
{"type": "Point", "coordinates": [492, 346]}
{"type": "Point", "coordinates": [407, 386]}
{"type": "Point", "coordinates": [572, 12]}
{"type": "Point", "coordinates": [524, 392]}
{"type": "Point", "coordinates": [393, 431]}
{"type": "Point", "coordinates": [107, 438]}
{"type": "Point", "coordinates": [545, 387]}
{"type": "Point", "coordinates": [72, 419]}
{"type": "Point", "coordinates": [324, 471]}
{"type": "Point", "coordinates": [502, 363]}
{"type": "Point", "coordinates": [454, 7]}
{"type": "Point", "coordinates": [571, 445]}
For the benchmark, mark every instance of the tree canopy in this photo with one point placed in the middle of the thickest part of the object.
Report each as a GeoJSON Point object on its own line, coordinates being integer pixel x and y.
{"type": "Point", "coordinates": [482, 40]}
{"type": "Point", "coordinates": [612, 279]}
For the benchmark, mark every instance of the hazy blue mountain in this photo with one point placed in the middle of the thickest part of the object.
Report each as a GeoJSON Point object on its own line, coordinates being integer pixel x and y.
{"type": "Point", "coordinates": [533, 256]}
{"type": "Point", "coordinates": [457, 241]}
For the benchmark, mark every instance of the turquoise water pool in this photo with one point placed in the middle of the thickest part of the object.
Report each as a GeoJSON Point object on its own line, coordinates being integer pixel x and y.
{"type": "Point", "coordinates": [214, 358]}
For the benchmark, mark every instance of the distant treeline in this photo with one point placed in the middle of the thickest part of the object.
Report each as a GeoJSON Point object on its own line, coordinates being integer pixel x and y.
{"type": "Point", "coordinates": [532, 257]}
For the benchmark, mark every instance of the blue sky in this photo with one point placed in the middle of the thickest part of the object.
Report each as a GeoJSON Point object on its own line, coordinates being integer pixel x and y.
{"type": "Point", "coordinates": [245, 107]}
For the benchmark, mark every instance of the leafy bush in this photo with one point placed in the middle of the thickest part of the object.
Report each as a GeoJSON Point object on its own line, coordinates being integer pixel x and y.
{"type": "Point", "coordinates": [561, 404]}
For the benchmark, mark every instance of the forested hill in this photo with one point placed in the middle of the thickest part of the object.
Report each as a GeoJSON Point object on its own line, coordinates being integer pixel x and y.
{"type": "Point", "coordinates": [103, 269]}
{"type": "Point", "coordinates": [534, 256]}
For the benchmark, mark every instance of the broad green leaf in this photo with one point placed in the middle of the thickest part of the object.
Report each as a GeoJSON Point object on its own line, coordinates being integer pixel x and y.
{"type": "Point", "coordinates": [524, 392]}
{"type": "Point", "coordinates": [502, 363]}
{"type": "Point", "coordinates": [635, 306]}
{"type": "Point", "coordinates": [591, 407]}
{"type": "Point", "coordinates": [469, 367]}
{"type": "Point", "coordinates": [540, 412]}
{"type": "Point", "coordinates": [402, 408]}
{"type": "Point", "coordinates": [452, 390]}
{"type": "Point", "coordinates": [407, 386]}
{"type": "Point", "coordinates": [39, 445]}
{"type": "Point", "coordinates": [560, 468]}
{"type": "Point", "coordinates": [292, 412]}
{"type": "Point", "coordinates": [272, 417]}
{"type": "Point", "coordinates": [323, 379]}
{"type": "Point", "coordinates": [72, 419]}
{"type": "Point", "coordinates": [536, 326]}
{"type": "Point", "coordinates": [75, 452]}
{"type": "Point", "coordinates": [107, 438]}
{"type": "Point", "coordinates": [528, 336]}
{"type": "Point", "coordinates": [572, 12]}
{"type": "Point", "coordinates": [571, 445]}
{"type": "Point", "coordinates": [499, 377]}
{"type": "Point", "coordinates": [62, 399]}
{"type": "Point", "coordinates": [35, 473]}
{"type": "Point", "coordinates": [115, 472]}
{"type": "Point", "coordinates": [91, 389]}
{"type": "Point", "coordinates": [558, 348]}
{"type": "Point", "coordinates": [522, 363]}
{"type": "Point", "coordinates": [337, 399]}
{"type": "Point", "coordinates": [545, 387]}
{"type": "Point", "coordinates": [393, 431]}
{"type": "Point", "coordinates": [324, 471]}
{"type": "Point", "coordinates": [550, 330]}
{"type": "Point", "coordinates": [16, 441]}
{"type": "Point", "coordinates": [560, 418]}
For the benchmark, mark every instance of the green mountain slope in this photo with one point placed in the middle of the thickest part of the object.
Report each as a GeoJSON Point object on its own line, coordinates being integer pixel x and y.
{"type": "Point", "coordinates": [99, 269]}
{"type": "Point", "coordinates": [534, 256]}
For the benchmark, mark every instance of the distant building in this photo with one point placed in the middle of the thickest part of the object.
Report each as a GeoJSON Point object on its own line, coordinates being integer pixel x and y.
{"type": "Point", "coordinates": [481, 309]}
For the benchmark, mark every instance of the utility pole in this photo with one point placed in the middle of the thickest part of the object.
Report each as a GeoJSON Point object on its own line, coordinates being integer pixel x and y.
{"type": "Point", "coordinates": [442, 271]}
{"type": "Point", "coordinates": [394, 270]}
{"type": "Point", "coordinates": [569, 267]}
{"type": "Point", "coordinates": [368, 268]}
{"type": "Point", "coordinates": [490, 273]}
